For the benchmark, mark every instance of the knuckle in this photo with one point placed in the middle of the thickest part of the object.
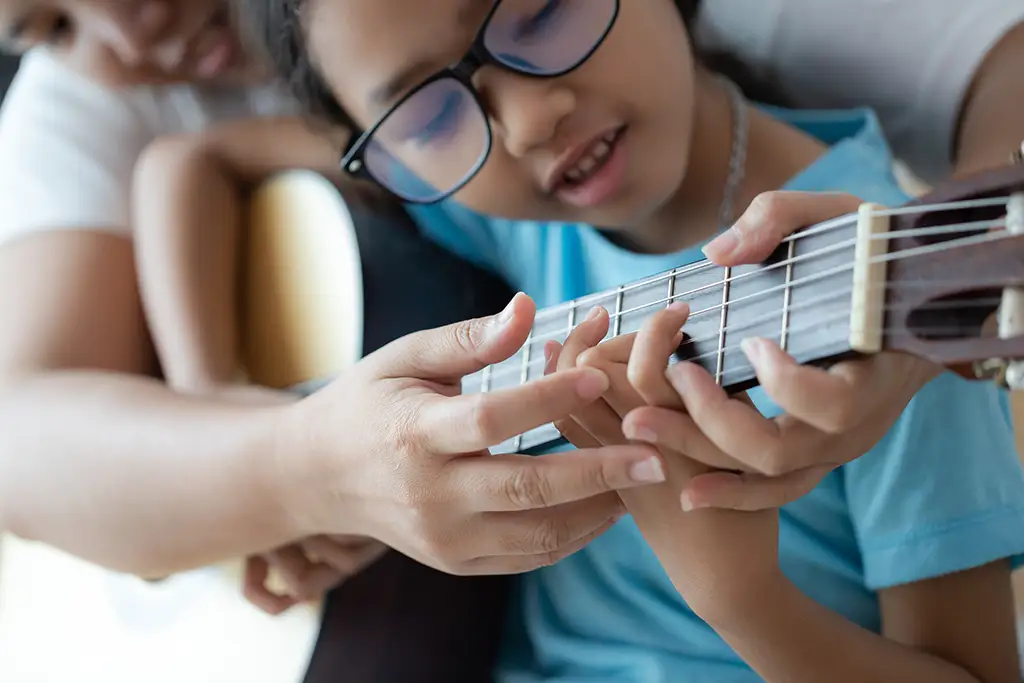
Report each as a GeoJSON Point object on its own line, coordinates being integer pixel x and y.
{"type": "Point", "coordinates": [549, 559]}
{"type": "Point", "coordinates": [641, 377]}
{"type": "Point", "coordinates": [547, 537]}
{"type": "Point", "coordinates": [484, 423]}
{"type": "Point", "coordinates": [466, 335]}
{"type": "Point", "coordinates": [526, 488]}
{"type": "Point", "coordinates": [591, 358]}
{"type": "Point", "coordinates": [767, 207]}
{"type": "Point", "coordinates": [773, 460]}
{"type": "Point", "coordinates": [599, 478]}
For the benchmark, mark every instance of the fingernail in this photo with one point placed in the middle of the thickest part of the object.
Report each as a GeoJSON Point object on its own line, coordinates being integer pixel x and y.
{"type": "Point", "coordinates": [688, 504]}
{"type": "Point", "coordinates": [594, 313]}
{"type": "Point", "coordinates": [723, 246]}
{"type": "Point", "coordinates": [636, 433]}
{"type": "Point", "coordinates": [549, 357]}
{"type": "Point", "coordinates": [753, 348]}
{"type": "Point", "coordinates": [506, 315]}
{"type": "Point", "coordinates": [592, 385]}
{"type": "Point", "coordinates": [679, 306]}
{"type": "Point", "coordinates": [647, 471]}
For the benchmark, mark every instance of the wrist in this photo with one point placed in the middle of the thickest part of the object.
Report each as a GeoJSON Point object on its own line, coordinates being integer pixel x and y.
{"type": "Point", "coordinates": [725, 607]}
{"type": "Point", "coordinates": [305, 475]}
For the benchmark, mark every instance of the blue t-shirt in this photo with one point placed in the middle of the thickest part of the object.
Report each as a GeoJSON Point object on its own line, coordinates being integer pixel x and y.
{"type": "Point", "coordinates": [942, 492]}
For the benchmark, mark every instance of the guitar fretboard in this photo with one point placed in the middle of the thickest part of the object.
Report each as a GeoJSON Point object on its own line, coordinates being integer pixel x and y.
{"type": "Point", "coordinates": [800, 297]}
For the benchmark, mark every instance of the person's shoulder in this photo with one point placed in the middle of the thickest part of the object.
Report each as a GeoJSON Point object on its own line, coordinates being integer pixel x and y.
{"type": "Point", "coordinates": [42, 79]}
{"type": "Point", "coordinates": [67, 149]}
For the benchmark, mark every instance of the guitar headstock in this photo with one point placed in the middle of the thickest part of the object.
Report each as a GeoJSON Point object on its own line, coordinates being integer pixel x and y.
{"type": "Point", "coordinates": [954, 280]}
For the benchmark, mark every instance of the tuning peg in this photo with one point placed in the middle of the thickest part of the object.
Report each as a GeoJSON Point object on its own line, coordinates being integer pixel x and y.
{"type": "Point", "coordinates": [1011, 310]}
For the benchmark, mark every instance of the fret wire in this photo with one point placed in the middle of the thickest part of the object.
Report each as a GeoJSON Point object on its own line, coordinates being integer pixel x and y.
{"type": "Point", "coordinates": [839, 316]}
{"type": "Point", "coordinates": [671, 287]}
{"type": "Point", "coordinates": [832, 224]}
{"type": "Point", "coordinates": [787, 297]}
{"type": "Point", "coordinates": [749, 370]}
{"type": "Point", "coordinates": [841, 293]}
{"type": "Point", "coordinates": [617, 327]}
{"type": "Point", "coordinates": [892, 256]}
{"type": "Point", "coordinates": [572, 319]}
{"type": "Point", "coordinates": [846, 244]}
{"type": "Point", "coordinates": [727, 273]}
{"type": "Point", "coordinates": [485, 379]}
{"type": "Point", "coordinates": [524, 371]}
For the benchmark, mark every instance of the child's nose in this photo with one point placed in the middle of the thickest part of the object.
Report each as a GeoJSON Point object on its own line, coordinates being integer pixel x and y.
{"type": "Point", "coordinates": [527, 112]}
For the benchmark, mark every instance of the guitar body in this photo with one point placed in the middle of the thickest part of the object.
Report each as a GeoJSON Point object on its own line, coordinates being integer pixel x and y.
{"type": "Point", "coordinates": [330, 275]}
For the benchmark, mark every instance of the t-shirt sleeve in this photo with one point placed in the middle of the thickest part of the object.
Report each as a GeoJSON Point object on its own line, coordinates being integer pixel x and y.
{"type": "Point", "coordinates": [912, 61]}
{"type": "Point", "coordinates": [944, 489]}
{"type": "Point", "coordinates": [67, 151]}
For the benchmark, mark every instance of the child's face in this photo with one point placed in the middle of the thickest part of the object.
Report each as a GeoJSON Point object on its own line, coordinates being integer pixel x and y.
{"type": "Point", "coordinates": [550, 158]}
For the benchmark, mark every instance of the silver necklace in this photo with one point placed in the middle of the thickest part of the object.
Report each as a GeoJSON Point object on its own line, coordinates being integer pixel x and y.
{"type": "Point", "coordinates": [738, 154]}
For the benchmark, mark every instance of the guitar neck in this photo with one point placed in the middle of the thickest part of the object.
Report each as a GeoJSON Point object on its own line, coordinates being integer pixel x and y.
{"type": "Point", "coordinates": [801, 298]}
{"type": "Point", "coordinates": [921, 279]}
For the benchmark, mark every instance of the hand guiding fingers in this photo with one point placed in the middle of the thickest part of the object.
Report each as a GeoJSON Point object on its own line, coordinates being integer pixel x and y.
{"type": "Point", "coordinates": [416, 472]}
{"type": "Point", "coordinates": [828, 416]}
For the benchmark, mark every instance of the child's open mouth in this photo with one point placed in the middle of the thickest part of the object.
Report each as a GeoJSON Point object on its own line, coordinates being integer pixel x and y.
{"type": "Point", "coordinates": [597, 175]}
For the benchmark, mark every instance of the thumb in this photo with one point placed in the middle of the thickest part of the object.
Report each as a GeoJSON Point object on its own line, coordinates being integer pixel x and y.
{"type": "Point", "coordinates": [460, 349]}
{"type": "Point", "coordinates": [772, 217]}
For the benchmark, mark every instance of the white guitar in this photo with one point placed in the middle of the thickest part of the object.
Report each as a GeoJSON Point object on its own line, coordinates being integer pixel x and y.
{"type": "Point", "coordinates": [62, 619]}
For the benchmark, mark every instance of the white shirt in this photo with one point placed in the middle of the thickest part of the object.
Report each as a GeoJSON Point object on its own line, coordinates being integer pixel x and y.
{"type": "Point", "coordinates": [68, 147]}
{"type": "Point", "coordinates": [910, 60]}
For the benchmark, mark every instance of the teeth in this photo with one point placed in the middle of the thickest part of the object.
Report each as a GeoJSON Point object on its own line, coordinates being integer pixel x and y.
{"type": "Point", "coordinates": [592, 160]}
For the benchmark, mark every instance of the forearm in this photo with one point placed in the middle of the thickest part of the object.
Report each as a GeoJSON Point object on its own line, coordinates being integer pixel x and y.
{"type": "Point", "coordinates": [187, 217]}
{"type": "Point", "coordinates": [992, 124]}
{"type": "Point", "coordinates": [122, 472]}
{"type": "Point", "coordinates": [788, 638]}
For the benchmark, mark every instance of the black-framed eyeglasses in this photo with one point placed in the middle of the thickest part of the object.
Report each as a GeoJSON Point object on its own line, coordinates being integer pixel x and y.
{"type": "Point", "coordinates": [430, 143]}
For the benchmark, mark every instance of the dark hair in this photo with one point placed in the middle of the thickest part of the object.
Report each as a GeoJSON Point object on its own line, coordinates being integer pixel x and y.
{"type": "Point", "coordinates": [275, 28]}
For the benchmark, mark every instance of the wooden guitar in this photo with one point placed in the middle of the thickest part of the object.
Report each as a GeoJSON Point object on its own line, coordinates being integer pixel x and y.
{"type": "Point", "coordinates": [328, 277]}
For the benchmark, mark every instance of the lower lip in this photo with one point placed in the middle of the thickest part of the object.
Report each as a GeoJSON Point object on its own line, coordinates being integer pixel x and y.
{"type": "Point", "coordinates": [603, 185]}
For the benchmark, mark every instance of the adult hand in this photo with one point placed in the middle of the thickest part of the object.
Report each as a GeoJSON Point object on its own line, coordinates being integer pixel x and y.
{"type": "Point", "coordinates": [393, 450]}
{"type": "Point", "coordinates": [305, 571]}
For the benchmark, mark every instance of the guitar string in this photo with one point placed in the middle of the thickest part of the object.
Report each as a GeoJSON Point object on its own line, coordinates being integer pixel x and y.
{"type": "Point", "coordinates": [773, 316]}
{"type": "Point", "coordinates": [497, 370]}
{"type": "Point", "coordinates": [748, 371]}
{"type": "Point", "coordinates": [715, 286]}
{"type": "Point", "coordinates": [817, 323]}
{"type": "Point", "coordinates": [818, 229]}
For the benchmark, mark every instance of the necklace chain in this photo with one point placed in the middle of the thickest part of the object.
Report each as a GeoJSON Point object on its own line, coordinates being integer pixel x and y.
{"type": "Point", "coordinates": [738, 153]}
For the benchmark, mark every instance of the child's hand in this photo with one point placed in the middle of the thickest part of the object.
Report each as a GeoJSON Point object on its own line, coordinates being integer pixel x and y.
{"type": "Point", "coordinates": [830, 417]}
{"type": "Point", "coordinates": [306, 570]}
{"type": "Point", "coordinates": [717, 559]}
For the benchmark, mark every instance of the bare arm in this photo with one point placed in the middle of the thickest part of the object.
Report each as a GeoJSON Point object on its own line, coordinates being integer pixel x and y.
{"type": "Point", "coordinates": [992, 118]}
{"type": "Point", "coordinates": [188, 216]}
{"type": "Point", "coordinates": [96, 458]}
{"type": "Point", "coordinates": [954, 629]}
